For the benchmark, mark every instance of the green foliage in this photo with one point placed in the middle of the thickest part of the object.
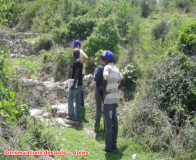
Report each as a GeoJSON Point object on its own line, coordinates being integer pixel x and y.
{"type": "Point", "coordinates": [10, 109]}
{"type": "Point", "coordinates": [5, 6]}
{"type": "Point", "coordinates": [133, 31]}
{"type": "Point", "coordinates": [187, 41]}
{"type": "Point", "coordinates": [59, 35]}
{"type": "Point", "coordinates": [80, 28]}
{"type": "Point", "coordinates": [58, 63]}
{"type": "Point", "coordinates": [101, 51]}
{"type": "Point", "coordinates": [130, 73]}
{"type": "Point", "coordinates": [153, 128]}
{"type": "Point", "coordinates": [38, 136]}
{"type": "Point", "coordinates": [145, 7]}
{"type": "Point", "coordinates": [44, 43]}
{"type": "Point", "coordinates": [175, 85]}
{"type": "Point", "coordinates": [104, 36]}
{"type": "Point", "coordinates": [160, 30]}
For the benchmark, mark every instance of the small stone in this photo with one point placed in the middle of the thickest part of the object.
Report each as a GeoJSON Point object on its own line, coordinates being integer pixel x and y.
{"type": "Point", "coordinates": [40, 88]}
{"type": "Point", "coordinates": [36, 94]}
{"type": "Point", "coordinates": [51, 96]}
{"type": "Point", "coordinates": [47, 115]}
{"type": "Point", "coordinates": [61, 113]}
{"type": "Point", "coordinates": [33, 103]}
{"type": "Point", "coordinates": [60, 94]}
{"type": "Point", "coordinates": [55, 102]}
{"type": "Point", "coordinates": [64, 100]}
{"type": "Point", "coordinates": [56, 108]}
{"type": "Point", "coordinates": [42, 101]}
{"type": "Point", "coordinates": [35, 112]}
{"type": "Point", "coordinates": [44, 93]}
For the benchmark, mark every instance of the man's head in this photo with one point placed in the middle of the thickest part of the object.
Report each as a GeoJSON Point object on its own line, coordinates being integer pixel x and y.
{"type": "Point", "coordinates": [101, 59]}
{"type": "Point", "coordinates": [108, 57]}
{"type": "Point", "coordinates": [76, 53]}
{"type": "Point", "coordinates": [76, 44]}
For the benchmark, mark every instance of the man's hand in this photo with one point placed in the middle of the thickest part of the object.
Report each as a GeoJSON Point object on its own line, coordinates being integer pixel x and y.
{"type": "Point", "coordinates": [122, 82]}
{"type": "Point", "coordinates": [72, 87]}
{"type": "Point", "coordinates": [105, 94]}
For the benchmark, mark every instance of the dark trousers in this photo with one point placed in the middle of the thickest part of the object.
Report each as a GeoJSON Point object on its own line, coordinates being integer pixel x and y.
{"type": "Point", "coordinates": [82, 96]}
{"type": "Point", "coordinates": [111, 125]}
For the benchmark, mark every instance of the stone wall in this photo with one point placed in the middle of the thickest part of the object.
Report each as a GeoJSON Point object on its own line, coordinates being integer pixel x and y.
{"type": "Point", "coordinates": [16, 42]}
{"type": "Point", "coordinates": [18, 35]}
{"type": "Point", "coordinates": [43, 93]}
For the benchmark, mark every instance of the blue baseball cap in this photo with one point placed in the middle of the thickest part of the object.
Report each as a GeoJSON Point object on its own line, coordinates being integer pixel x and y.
{"type": "Point", "coordinates": [109, 56]}
{"type": "Point", "coordinates": [76, 42]}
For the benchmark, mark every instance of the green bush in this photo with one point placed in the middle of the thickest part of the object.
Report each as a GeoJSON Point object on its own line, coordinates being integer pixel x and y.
{"type": "Point", "coordinates": [80, 28]}
{"type": "Point", "coordinates": [175, 86]}
{"type": "Point", "coordinates": [39, 136]}
{"type": "Point", "coordinates": [44, 43]}
{"type": "Point", "coordinates": [152, 128]}
{"type": "Point", "coordinates": [58, 35]}
{"type": "Point", "coordinates": [187, 41]}
{"type": "Point", "coordinates": [130, 73]}
{"type": "Point", "coordinates": [145, 8]}
{"type": "Point", "coordinates": [105, 36]}
{"type": "Point", "coordinates": [58, 63]}
{"type": "Point", "coordinates": [160, 30]}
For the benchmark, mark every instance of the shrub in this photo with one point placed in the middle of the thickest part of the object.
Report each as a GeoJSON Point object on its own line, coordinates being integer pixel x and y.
{"type": "Point", "coordinates": [58, 35]}
{"type": "Point", "coordinates": [187, 41]}
{"type": "Point", "coordinates": [130, 73]}
{"type": "Point", "coordinates": [105, 36]}
{"type": "Point", "coordinates": [145, 8]}
{"type": "Point", "coordinates": [44, 43]}
{"type": "Point", "coordinates": [39, 136]}
{"type": "Point", "coordinates": [58, 63]}
{"type": "Point", "coordinates": [175, 86]}
{"type": "Point", "coordinates": [133, 31]}
{"type": "Point", "coordinates": [152, 128]}
{"type": "Point", "coordinates": [160, 30]}
{"type": "Point", "coordinates": [80, 28]}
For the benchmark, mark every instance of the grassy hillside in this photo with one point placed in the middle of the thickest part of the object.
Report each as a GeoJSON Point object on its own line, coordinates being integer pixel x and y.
{"type": "Point", "coordinates": [154, 45]}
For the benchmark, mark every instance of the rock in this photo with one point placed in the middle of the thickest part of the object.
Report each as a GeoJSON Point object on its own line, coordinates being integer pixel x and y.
{"type": "Point", "coordinates": [60, 94]}
{"type": "Point", "coordinates": [35, 112]}
{"type": "Point", "coordinates": [33, 103]}
{"type": "Point", "coordinates": [61, 113]}
{"type": "Point", "coordinates": [44, 93]}
{"type": "Point", "coordinates": [42, 101]}
{"type": "Point", "coordinates": [51, 96]}
{"type": "Point", "coordinates": [40, 88]}
{"type": "Point", "coordinates": [56, 108]}
{"type": "Point", "coordinates": [36, 94]}
{"type": "Point", "coordinates": [50, 86]}
{"type": "Point", "coordinates": [62, 122]}
{"type": "Point", "coordinates": [33, 43]}
{"type": "Point", "coordinates": [134, 156]}
{"type": "Point", "coordinates": [64, 100]}
{"type": "Point", "coordinates": [61, 86]}
{"type": "Point", "coordinates": [66, 84]}
{"type": "Point", "coordinates": [55, 102]}
{"type": "Point", "coordinates": [47, 115]}
{"type": "Point", "coordinates": [29, 82]}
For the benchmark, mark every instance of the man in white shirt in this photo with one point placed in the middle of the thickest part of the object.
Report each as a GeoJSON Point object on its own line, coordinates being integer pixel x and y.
{"type": "Point", "coordinates": [113, 81]}
{"type": "Point", "coordinates": [84, 58]}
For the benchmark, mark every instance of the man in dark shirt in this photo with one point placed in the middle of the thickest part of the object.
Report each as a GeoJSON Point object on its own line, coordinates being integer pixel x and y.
{"type": "Point", "coordinates": [98, 78]}
{"type": "Point", "coordinates": [74, 93]}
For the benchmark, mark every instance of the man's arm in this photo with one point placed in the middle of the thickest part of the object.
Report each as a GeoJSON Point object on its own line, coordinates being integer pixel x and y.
{"type": "Point", "coordinates": [76, 77]}
{"type": "Point", "coordinates": [104, 87]}
{"type": "Point", "coordinates": [85, 58]}
{"type": "Point", "coordinates": [96, 74]}
{"type": "Point", "coordinates": [122, 82]}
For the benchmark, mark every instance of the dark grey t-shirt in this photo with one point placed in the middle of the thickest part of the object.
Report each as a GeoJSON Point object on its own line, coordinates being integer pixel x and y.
{"type": "Point", "coordinates": [78, 64]}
